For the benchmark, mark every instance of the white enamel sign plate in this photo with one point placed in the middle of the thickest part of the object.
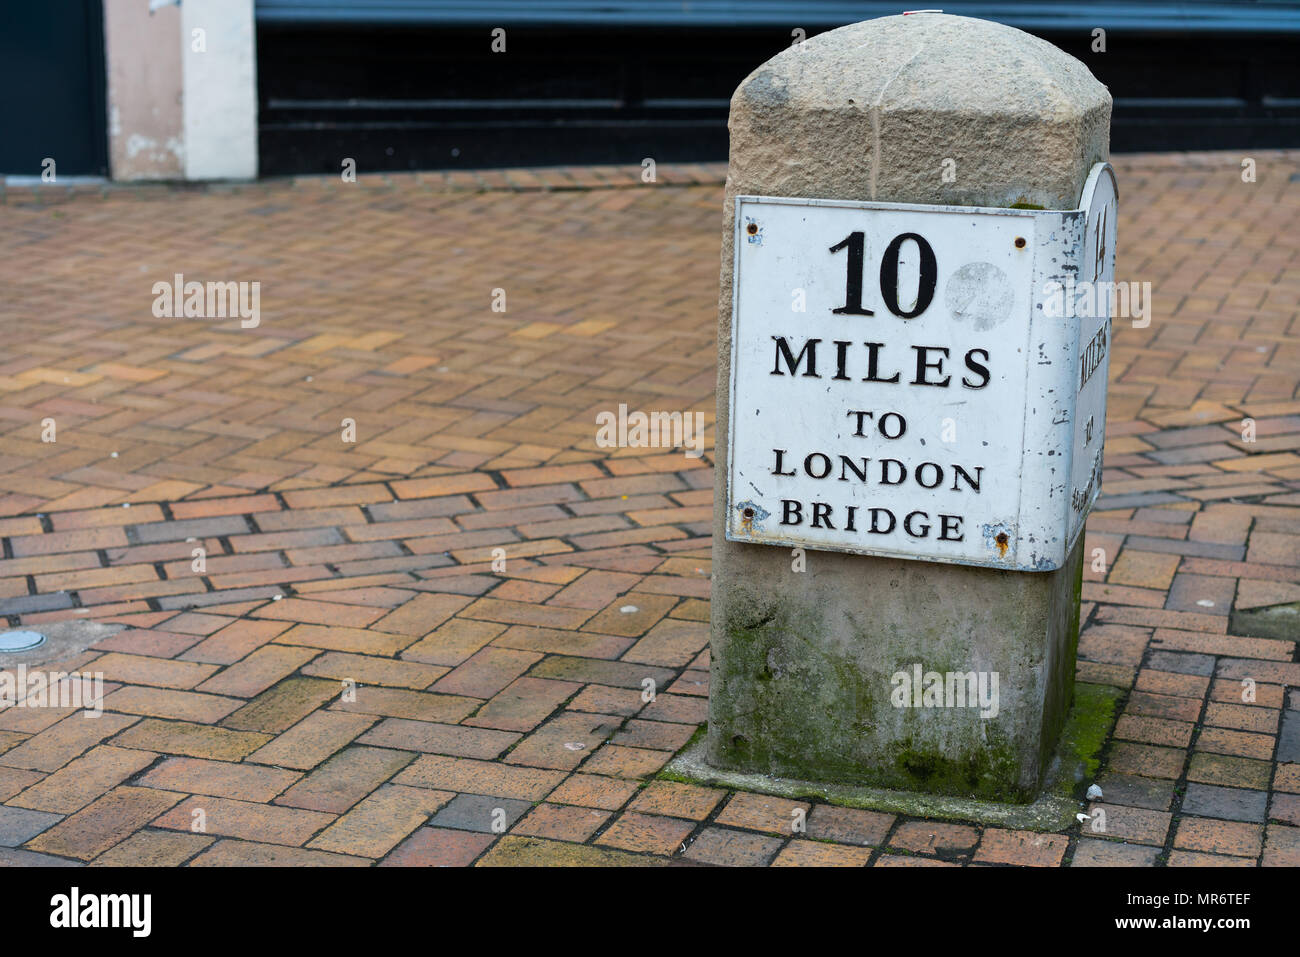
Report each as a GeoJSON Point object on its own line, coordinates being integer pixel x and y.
{"type": "Point", "coordinates": [916, 381]}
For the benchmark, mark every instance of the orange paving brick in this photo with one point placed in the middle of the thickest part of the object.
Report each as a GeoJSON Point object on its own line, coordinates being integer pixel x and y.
{"type": "Point", "coordinates": [380, 821]}
{"type": "Point", "coordinates": [331, 638]}
{"type": "Point", "coordinates": [167, 703]}
{"type": "Point", "coordinates": [616, 760]}
{"type": "Point", "coordinates": [479, 777]}
{"type": "Point", "coordinates": [188, 738]}
{"type": "Point", "coordinates": [486, 672]}
{"type": "Point", "coordinates": [1219, 837]}
{"type": "Point", "coordinates": [244, 782]}
{"type": "Point", "coordinates": [1143, 569]}
{"type": "Point", "coordinates": [402, 703]}
{"type": "Point", "coordinates": [344, 779]}
{"type": "Point", "coordinates": [82, 780]}
{"type": "Point", "coordinates": [153, 849]}
{"type": "Point", "coordinates": [998, 846]}
{"type": "Point", "coordinates": [159, 672]}
{"type": "Point", "coordinates": [62, 742]}
{"type": "Point", "coordinates": [429, 736]}
{"type": "Point", "coordinates": [561, 822]}
{"type": "Point", "coordinates": [726, 848]}
{"type": "Point", "coordinates": [495, 589]}
{"type": "Point", "coordinates": [523, 704]}
{"type": "Point", "coordinates": [439, 847]}
{"type": "Point", "coordinates": [759, 812]}
{"type": "Point", "coordinates": [421, 614]}
{"type": "Point", "coordinates": [674, 799]}
{"type": "Point", "coordinates": [244, 819]}
{"type": "Point", "coordinates": [103, 823]}
{"type": "Point", "coordinates": [848, 825]}
{"type": "Point", "coordinates": [366, 669]}
{"type": "Point", "coordinates": [646, 833]}
{"type": "Point", "coordinates": [925, 837]}
{"type": "Point", "coordinates": [312, 740]}
{"type": "Point", "coordinates": [818, 854]}
{"type": "Point", "coordinates": [237, 853]}
{"type": "Point", "coordinates": [284, 705]}
{"type": "Point", "coordinates": [591, 790]}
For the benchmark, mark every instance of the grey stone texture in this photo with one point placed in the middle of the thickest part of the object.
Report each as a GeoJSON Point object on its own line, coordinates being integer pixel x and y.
{"type": "Point", "coordinates": [19, 825]}
{"type": "Point", "coordinates": [476, 812]}
{"type": "Point", "coordinates": [801, 662]}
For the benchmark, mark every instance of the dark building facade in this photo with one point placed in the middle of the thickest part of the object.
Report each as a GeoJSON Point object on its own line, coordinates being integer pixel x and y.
{"type": "Point", "coordinates": [435, 84]}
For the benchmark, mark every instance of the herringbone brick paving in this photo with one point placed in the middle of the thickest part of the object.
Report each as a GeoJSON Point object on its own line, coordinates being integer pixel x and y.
{"type": "Point", "coordinates": [402, 646]}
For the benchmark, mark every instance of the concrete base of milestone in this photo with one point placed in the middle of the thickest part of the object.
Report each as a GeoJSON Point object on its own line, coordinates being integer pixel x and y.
{"type": "Point", "coordinates": [1071, 769]}
{"type": "Point", "coordinates": [804, 670]}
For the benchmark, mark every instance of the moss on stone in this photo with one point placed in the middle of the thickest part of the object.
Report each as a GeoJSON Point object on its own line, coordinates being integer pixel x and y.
{"type": "Point", "coordinates": [1276, 621]}
{"type": "Point", "coordinates": [1088, 725]}
{"type": "Point", "coordinates": [771, 655]}
{"type": "Point", "coordinates": [801, 686]}
{"type": "Point", "coordinates": [983, 773]}
{"type": "Point", "coordinates": [1074, 766]}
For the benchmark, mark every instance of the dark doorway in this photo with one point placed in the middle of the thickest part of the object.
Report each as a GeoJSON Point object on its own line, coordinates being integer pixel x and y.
{"type": "Point", "coordinates": [52, 88]}
{"type": "Point", "coordinates": [435, 96]}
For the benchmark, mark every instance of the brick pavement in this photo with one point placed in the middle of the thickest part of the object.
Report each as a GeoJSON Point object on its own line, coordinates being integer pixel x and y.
{"type": "Point", "coordinates": [396, 647]}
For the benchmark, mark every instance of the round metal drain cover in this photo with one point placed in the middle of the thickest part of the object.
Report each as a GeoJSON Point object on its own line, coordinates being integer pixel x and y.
{"type": "Point", "coordinates": [20, 640]}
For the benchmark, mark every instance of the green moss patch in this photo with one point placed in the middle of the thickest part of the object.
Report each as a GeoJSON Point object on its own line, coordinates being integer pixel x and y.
{"type": "Point", "coordinates": [1087, 727]}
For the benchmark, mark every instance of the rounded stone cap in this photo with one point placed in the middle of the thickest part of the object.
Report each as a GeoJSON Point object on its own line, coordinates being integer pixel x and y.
{"type": "Point", "coordinates": [924, 108]}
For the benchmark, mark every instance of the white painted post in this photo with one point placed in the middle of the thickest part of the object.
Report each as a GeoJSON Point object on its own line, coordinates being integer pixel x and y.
{"type": "Point", "coordinates": [219, 67]}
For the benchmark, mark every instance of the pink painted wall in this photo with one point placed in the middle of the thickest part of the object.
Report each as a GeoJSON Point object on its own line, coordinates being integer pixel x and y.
{"type": "Point", "coordinates": [145, 118]}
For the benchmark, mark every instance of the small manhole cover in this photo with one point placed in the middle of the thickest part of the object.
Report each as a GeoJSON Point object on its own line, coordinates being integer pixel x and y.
{"type": "Point", "coordinates": [20, 640]}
